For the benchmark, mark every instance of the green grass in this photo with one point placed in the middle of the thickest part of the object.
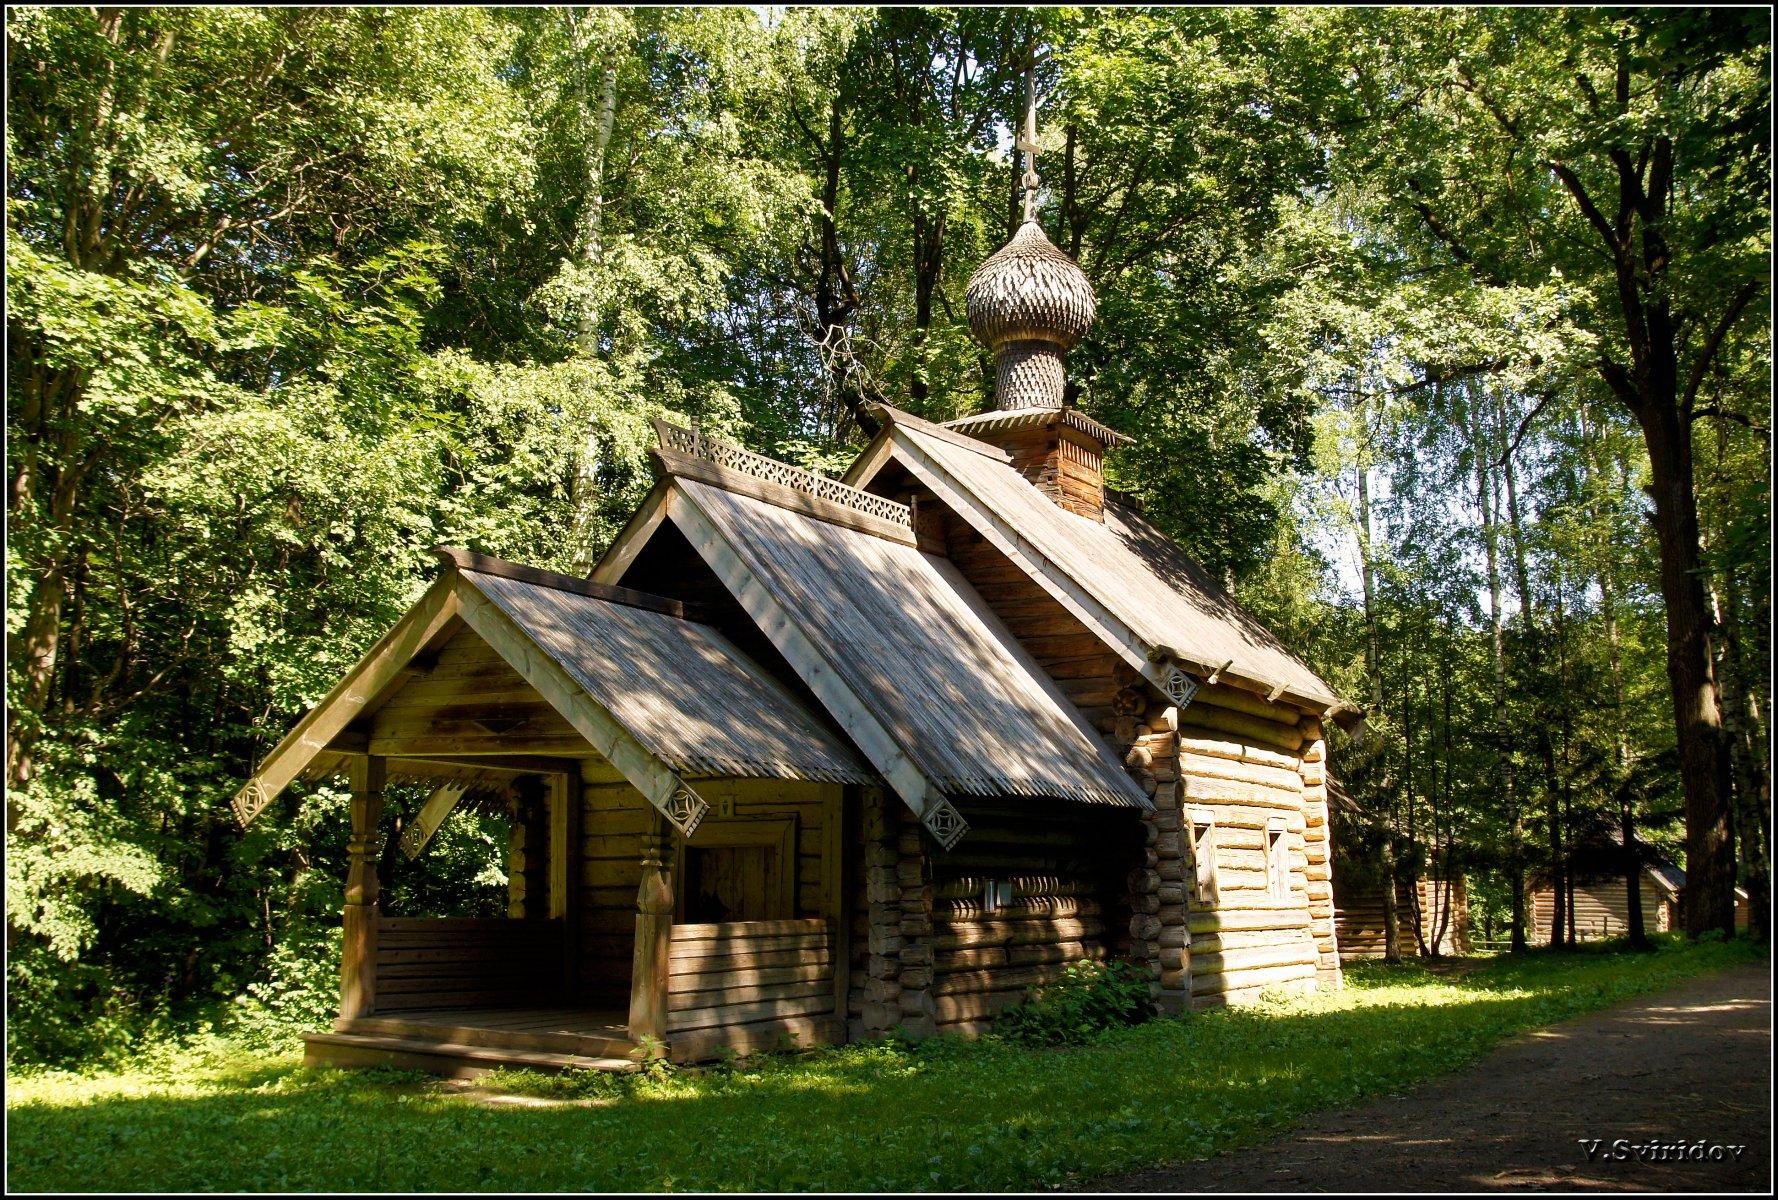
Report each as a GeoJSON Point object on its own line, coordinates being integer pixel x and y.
{"type": "Point", "coordinates": [948, 1115]}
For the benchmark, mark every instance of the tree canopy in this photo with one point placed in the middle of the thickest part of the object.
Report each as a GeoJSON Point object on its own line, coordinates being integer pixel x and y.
{"type": "Point", "coordinates": [1443, 335]}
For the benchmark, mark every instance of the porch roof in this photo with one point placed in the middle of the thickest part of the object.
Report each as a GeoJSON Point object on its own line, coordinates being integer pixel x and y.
{"type": "Point", "coordinates": [659, 696]}
{"type": "Point", "coordinates": [684, 690]}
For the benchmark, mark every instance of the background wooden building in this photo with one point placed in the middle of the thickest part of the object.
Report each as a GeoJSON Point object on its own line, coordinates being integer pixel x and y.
{"type": "Point", "coordinates": [1601, 907]}
{"type": "Point", "coordinates": [812, 759]}
{"type": "Point", "coordinates": [1429, 913]}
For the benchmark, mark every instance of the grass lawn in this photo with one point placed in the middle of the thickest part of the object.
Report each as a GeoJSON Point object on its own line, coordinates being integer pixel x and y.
{"type": "Point", "coordinates": [948, 1115]}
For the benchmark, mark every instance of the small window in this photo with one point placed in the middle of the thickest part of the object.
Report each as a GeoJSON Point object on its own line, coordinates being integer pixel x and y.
{"type": "Point", "coordinates": [1277, 860]}
{"type": "Point", "coordinates": [996, 895]}
{"type": "Point", "coordinates": [1205, 887]}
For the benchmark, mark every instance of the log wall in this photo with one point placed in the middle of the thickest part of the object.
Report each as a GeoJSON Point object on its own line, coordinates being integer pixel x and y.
{"type": "Point", "coordinates": [616, 816]}
{"type": "Point", "coordinates": [465, 962]}
{"type": "Point", "coordinates": [1066, 865]}
{"type": "Point", "coordinates": [1062, 463]}
{"type": "Point", "coordinates": [1359, 915]}
{"type": "Point", "coordinates": [1243, 759]}
{"type": "Point", "coordinates": [1601, 910]}
{"type": "Point", "coordinates": [1231, 751]}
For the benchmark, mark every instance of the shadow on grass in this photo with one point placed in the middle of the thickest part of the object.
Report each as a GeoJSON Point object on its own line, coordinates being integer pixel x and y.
{"type": "Point", "coordinates": [949, 1115]}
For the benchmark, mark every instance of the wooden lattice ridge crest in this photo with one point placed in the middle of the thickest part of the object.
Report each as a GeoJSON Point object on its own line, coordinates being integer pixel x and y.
{"type": "Point", "coordinates": [694, 443]}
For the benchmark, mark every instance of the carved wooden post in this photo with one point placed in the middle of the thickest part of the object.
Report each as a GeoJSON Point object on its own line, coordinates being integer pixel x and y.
{"type": "Point", "coordinates": [654, 931]}
{"type": "Point", "coordinates": [358, 964]}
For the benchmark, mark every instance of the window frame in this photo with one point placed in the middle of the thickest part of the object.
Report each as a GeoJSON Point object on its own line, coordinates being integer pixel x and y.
{"type": "Point", "coordinates": [1206, 877]}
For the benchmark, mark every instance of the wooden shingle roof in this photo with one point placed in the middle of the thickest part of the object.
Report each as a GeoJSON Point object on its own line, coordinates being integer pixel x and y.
{"type": "Point", "coordinates": [958, 696]}
{"type": "Point", "coordinates": [660, 697]}
{"type": "Point", "coordinates": [1125, 578]}
{"type": "Point", "coordinates": [681, 688]}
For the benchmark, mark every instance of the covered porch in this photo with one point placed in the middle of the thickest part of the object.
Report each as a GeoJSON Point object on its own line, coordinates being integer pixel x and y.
{"type": "Point", "coordinates": [675, 862]}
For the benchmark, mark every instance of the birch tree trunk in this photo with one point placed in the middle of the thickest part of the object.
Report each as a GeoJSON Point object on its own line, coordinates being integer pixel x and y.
{"type": "Point", "coordinates": [600, 113]}
{"type": "Point", "coordinates": [1486, 499]}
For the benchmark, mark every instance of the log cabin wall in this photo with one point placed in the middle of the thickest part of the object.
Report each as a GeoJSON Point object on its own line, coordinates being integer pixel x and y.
{"type": "Point", "coordinates": [1064, 464]}
{"type": "Point", "coordinates": [1361, 920]}
{"type": "Point", "coordinates": [1241, 763]}
{"type": "Point", "coordinates": [1242, 757]}
{"type": "Point", "coordinates": [1088, 673]}
{"type": "Point", "coordinates": [1318, 853]}
{"type": "Point", "coordinates": [928, 956]}
{"type": "Point", "coordinates": [1601, 910]}
{"type": "Point", "coordinates": [617, 816]}
{"type": "Point", "coordinates": [1065, 866]}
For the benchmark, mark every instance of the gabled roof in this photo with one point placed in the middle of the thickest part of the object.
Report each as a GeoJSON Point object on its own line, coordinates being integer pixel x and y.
{"type": "Point", "coordinates": [684, 690]}
{"type": "Point", "coordinates": [902, 652]}
{"type": "Point", "coordinates": [1125, 580]}
{"type": "Point", "coordinates": [661, 697]}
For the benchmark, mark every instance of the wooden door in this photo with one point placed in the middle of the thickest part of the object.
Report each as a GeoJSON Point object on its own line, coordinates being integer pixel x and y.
{"type": "Point", "coordinates": [728, 883]}
{"type": "Point", "coordinates": [741, 870]}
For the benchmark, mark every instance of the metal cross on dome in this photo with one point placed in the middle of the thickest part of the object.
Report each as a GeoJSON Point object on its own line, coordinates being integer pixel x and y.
{"type": "Point", "coordinates": [1026, 143]}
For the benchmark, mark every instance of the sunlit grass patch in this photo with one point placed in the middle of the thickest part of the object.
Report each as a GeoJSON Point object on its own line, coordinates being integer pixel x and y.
{"type": "Point", "coordinates": [947, 1114]}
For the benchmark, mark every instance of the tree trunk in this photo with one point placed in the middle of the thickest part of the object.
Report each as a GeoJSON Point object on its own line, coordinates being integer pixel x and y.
{"type": "Point", "coordinates": [1709, 898]}
{"type": "Point", "coordinates": [929, 246]}
{"type": "Point", "coordinates": [1540, 719]}
{"type": "Point", "coordinates": [1374, 665]}
{"type": "Point", "coordinates": [1485, 497]}
{"type": "Point", "coordinates": [1741, 725]}
{"type": "Point", "coordinates": [602, 115]}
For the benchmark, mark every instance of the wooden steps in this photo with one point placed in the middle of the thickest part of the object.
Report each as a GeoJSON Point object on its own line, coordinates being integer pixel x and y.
{"type": "Point", "coordinates": [546, 1038]}
{"type": "Point", "coordinates": [465, 1043]}
{"type": "Point", "coordinates": [452, 1059]}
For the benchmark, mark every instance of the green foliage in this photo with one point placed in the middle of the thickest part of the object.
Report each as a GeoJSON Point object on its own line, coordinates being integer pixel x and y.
{"type": "Point", "coordinates": [1087, 1000]}
{"type": "Point", "coordinates": [967, 1116]}
{"type": "Point", "coordinates": [296, 294]}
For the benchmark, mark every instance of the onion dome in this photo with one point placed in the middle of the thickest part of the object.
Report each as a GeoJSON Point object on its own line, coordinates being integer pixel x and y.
{"type": "Point", "coordinates": [1029, 304]}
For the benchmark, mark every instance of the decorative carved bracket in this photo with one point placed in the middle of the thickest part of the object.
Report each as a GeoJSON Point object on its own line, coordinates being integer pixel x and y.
{"type": "Point", "coordinates": [1180, 687]}
{"type": "Point", "coordinates": [945, 823]}
{"type": "Point", "coordinates": [685, 809]}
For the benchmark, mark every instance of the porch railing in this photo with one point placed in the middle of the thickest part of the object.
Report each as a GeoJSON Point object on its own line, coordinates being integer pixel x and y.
{"type": "Point", "coordinates": [466, 962]}
{"type": "Point", "coordinates": [742, 972]}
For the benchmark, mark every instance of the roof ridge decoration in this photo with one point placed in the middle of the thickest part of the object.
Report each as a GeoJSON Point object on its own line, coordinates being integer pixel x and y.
{"type": "Point", "coordinates": [694, 443]}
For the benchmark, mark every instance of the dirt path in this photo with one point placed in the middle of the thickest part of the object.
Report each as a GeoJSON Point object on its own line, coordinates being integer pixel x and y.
{"type": "Point", "coordinates": [1692, 1064]}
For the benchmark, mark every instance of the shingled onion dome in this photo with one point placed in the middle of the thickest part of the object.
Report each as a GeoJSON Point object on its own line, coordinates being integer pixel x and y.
{"type": "Point", "coordinates": [1029, 304]}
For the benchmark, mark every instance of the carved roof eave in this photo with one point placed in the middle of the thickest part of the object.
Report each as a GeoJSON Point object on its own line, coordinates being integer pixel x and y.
{"type": "Point", "coordinates": [997, 420]}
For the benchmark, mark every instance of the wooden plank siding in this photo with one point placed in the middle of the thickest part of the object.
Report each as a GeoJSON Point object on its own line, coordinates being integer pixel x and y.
{"type": "Point", "coordinates": [749, 985]}
{"type": "Point", "coordinates": [463, 962]}
{"type": "Point", "coordinates": [616, 816]}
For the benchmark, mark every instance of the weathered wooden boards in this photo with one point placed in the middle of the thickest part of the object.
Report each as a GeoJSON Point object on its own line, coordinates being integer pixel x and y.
{"type": "Point", "coordinates": [1360, 919]}
{"type": "Point", "coordinates": [1252, 767]}
{"type": "Point", "coordinates": [749, 985]}
{"type": "Point", "coordinates": [1062, 463]}
{"type": "Point", "coordinates": [1601, 910]}
{"type": "Point", "coordinates": [438, 963]}
{"type": "Point", "coordinates": [1061, 898]}
{"type": "Point", "coordinates": [615, 818]}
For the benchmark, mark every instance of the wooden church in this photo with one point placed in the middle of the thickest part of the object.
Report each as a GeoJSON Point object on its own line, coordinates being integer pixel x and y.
{"type": "Point", "coordinates": [807, 760]}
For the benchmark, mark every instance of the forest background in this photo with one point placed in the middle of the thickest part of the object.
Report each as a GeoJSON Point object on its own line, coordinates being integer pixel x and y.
{"type": "Point", "coordinates": [1444, 335]}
